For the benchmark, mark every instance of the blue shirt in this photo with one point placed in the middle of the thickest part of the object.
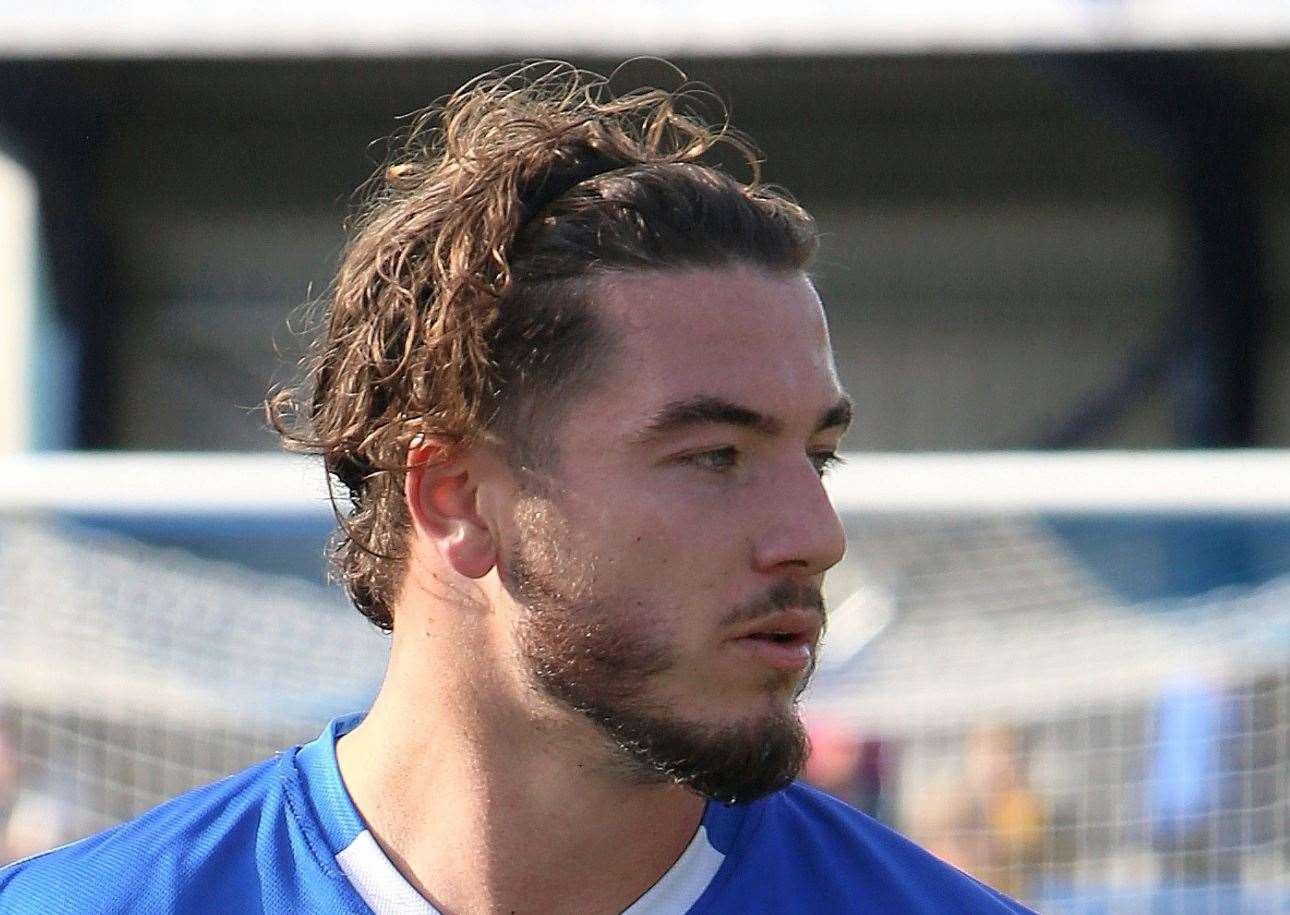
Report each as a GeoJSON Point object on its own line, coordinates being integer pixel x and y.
{"type": "Point", "coordinates": [284, 837]}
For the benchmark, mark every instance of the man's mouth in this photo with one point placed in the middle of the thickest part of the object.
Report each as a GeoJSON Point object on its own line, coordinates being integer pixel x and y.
{"type": "Point", "coordinates": [781, 638]}
{"type": "Point", "coordinates": [784, 640]}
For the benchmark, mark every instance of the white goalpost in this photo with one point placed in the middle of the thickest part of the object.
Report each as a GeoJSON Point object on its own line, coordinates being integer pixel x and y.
{"type": "Point", "coordinates": [1069, 674]}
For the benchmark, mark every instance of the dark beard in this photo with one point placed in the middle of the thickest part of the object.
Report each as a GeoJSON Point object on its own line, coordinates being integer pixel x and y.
{"type": "Point", "coordinates": [578, 656]}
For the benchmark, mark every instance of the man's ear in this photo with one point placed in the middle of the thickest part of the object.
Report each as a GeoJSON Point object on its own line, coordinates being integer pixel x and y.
{"type": "Point", "coordinates": [440, 490]}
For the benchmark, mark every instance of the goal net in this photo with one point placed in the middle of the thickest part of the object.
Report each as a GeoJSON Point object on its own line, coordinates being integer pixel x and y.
{"type": "Point", "coordinates": [163, 622]}
{"type": "Point", "coordinates": [1067, 674]}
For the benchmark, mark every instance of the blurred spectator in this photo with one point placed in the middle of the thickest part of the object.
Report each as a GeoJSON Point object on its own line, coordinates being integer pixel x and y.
{"type": "Point", "coordinates": [8, 793]}
{"type": "Point", "coordinates": [31, 821]}
{"type": "Point", "coordinates": [1185, 777]}
{"type": "Point", "coordinates": [1006, 809]}
{"type": "Point", "coordinates": [848, 767]}
{"type": "Point", "coordinates": [38, 823]}
{"type": "Point", "coordinates": [939, 817]}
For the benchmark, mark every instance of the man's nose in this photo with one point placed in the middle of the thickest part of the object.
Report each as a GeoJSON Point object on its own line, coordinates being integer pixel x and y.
{"type": "Point", "coordinates": [801, 532]}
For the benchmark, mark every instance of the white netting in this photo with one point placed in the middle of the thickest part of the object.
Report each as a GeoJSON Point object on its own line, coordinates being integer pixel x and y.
{"type": "Point", "coordinates": [989, 685]}
{"type": "Point", "coordinates": [130, 673]}
{"type": "Point", "coordinates": [984, 689]}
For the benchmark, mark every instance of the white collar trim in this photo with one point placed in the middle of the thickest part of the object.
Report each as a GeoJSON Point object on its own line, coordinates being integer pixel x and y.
{"type": "Point", "coordinates": [378, 881]}
{"type": "Point", "coordinates": [387, 892]}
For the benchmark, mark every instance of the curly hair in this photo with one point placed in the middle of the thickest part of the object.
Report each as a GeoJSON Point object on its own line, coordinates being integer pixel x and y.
{"type": "Point", "coordinates": [462, 305]}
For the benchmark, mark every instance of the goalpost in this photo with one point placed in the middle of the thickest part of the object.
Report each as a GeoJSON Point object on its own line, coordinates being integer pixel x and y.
{"type": "Point", "coordinates": [1068, 673]}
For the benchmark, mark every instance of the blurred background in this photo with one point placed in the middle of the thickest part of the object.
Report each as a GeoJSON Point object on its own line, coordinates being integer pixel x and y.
{"type": "Point", "coordinates": [1056, 265]}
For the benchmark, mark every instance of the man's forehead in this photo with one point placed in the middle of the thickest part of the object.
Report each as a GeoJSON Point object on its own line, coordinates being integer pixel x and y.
{"type": "Point", "coordinates": [734, 334]}
{"type": "Point", "coordinates": [698, 303]}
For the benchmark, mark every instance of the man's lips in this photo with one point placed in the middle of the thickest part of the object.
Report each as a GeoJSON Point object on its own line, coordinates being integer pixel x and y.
{"type": "Point", "coordinates": [795, 625]}
{"type": "Point", "coordinates": [784, 640]}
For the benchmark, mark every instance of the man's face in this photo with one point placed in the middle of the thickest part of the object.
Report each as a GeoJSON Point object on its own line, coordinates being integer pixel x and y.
{"type": "Point", "coordinates": [668, 571]}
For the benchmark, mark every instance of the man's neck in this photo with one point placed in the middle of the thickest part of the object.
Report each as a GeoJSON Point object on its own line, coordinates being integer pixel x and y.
{"type": "Point", "coordinates": [485, 811]}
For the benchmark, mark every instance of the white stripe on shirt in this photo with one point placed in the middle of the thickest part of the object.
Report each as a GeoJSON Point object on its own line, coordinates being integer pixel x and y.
{"type": "Point", "coordinates": [387, 892]}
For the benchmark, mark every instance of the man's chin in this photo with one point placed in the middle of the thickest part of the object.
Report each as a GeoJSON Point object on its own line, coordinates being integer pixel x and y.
{"type": "Point", "coordinates": [730, 762]}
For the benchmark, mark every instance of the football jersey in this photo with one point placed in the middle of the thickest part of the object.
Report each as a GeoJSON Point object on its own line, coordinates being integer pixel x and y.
{"type": "Point", "coordinates": [284, 837]}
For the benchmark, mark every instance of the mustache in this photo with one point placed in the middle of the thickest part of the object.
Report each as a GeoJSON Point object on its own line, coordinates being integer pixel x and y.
{"type": "Point", "coordinates": [785, 595]}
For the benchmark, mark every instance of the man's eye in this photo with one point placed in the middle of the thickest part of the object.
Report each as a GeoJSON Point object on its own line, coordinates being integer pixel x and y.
{"type": "Point", "coordinates": [717, 459]}
{"type": "Point", "coordinates": [823, 460]}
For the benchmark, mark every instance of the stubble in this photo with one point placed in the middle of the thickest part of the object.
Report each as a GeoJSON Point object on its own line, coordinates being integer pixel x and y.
{"type": "Point", "coordinates": [602, 656]}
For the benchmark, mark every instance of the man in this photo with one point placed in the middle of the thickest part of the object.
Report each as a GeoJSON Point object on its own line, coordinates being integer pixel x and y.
{"type": "Point", "coordinates": [580, 390]}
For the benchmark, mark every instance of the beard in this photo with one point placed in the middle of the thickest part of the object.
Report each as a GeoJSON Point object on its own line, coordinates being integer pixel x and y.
{"type": "Point", "coordinates": [585, 654]}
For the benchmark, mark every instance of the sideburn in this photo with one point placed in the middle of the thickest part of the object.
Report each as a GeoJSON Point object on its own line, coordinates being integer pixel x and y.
{"type": "Point", "coordinates": [551, 346]}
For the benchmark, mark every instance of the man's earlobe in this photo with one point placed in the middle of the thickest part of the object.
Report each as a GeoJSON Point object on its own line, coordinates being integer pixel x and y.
{"type": "Point", "coordinates": [440, 491]}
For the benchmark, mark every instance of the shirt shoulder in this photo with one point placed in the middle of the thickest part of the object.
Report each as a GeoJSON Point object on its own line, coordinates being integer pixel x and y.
{"type": "Point", "coordinates": [800, 850]}
{"type": "Point", "coordinates": [234, 845]}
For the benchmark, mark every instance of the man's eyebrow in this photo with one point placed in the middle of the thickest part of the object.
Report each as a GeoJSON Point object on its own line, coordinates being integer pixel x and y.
{"type": "Point", "coordinates": [701, 411]}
